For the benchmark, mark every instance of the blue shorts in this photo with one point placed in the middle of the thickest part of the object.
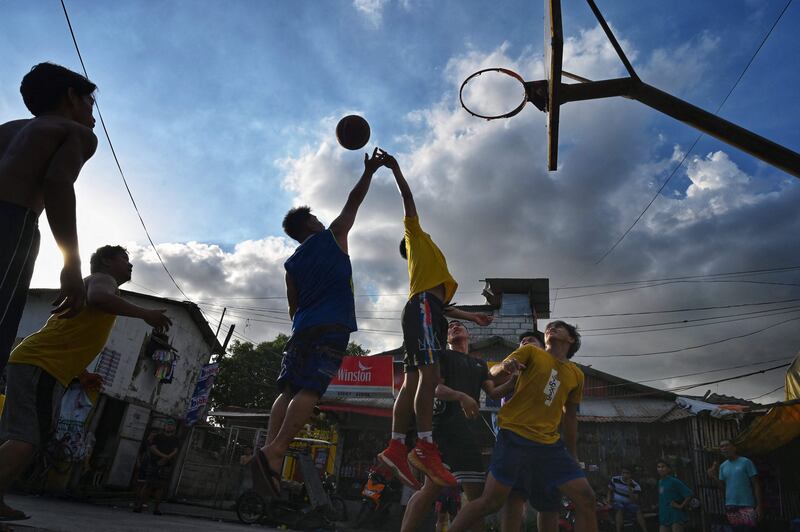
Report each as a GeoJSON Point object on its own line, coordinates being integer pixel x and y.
{"type": "Point", "coordinates": [311, 363]}
{"type": "Point", "coordinates": [533, 470]}
{"type": "Point", "coordinates": [627, 507]}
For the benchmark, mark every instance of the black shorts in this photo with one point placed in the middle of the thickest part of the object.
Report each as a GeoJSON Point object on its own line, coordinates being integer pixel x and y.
{"type": "Point", "coordinates": [19, 246]}
{"type": "Point", "coordinates": [424, 330]}
{"type": "Point", "coordinates": [460, 451]}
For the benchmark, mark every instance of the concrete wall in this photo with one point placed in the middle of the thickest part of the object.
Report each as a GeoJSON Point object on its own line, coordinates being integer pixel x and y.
{"type": "Point", "coordinates": [133, 378]}
{"type": "Point", "coordinates": [507, 327]}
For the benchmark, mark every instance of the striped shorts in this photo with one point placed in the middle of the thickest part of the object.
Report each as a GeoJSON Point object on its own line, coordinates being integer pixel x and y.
{"type": "Point", "coordinates": [19, 246]}
{"type": "Point", "coordinates": [424, 330]}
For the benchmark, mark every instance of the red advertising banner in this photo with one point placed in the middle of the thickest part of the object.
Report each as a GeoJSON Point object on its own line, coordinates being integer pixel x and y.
{"type": "Point", "coordinates": [363, 376]}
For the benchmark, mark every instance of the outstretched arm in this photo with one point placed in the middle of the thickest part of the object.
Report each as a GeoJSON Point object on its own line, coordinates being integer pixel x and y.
{"type": "Point", "coordinates": [409, 208]}
{"type": "Point", "coordinates": [475, 317]}
{"type": "Point", "coordinates": [101, 293]}
{"type": "Point", "coordinates": [341, 226]}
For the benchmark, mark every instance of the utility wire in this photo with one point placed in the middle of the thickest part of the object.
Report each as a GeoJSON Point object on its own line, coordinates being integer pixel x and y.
{"type": "Point", "coordinates": [685, 387]}
{"type": "Point", "coordinates": [691, 148]}
{"type": "Point", "coordinates": [672, 351]}
{"type": "Point", "coordinates": [694, 374]}
{"type": "Point", "coordinates": [116, 159]}
{"type": "Point", "coordinates": [669, 311]}
{"type": "Point", "coordinates": [683, 277]}
{"type": "Point", "coordinates": [765, 394]}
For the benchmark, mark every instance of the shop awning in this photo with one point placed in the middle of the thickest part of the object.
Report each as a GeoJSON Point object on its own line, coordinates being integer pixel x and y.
{"type": "Point", "coordinates": [780, 425]}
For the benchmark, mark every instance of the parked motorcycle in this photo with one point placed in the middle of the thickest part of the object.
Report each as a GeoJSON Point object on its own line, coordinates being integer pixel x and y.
{"type": "Point", "coordinates": [375, 496]}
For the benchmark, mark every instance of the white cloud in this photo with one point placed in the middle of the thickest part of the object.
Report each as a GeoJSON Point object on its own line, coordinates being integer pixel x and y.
{"type": "Point", "coordinates": [371, 9]}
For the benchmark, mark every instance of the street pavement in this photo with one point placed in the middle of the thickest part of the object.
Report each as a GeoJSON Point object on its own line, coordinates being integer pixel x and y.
{"type": "Point", "coordinates": [56, 515]}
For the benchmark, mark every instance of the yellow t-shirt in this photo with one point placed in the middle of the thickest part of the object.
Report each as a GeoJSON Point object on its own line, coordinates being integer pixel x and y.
{"type": "Point", "coordinates": [63, 348]}
{"type": "Point", "coordinates": [427, 267]}
{"type": "Point", "coordinates": [542, 389]}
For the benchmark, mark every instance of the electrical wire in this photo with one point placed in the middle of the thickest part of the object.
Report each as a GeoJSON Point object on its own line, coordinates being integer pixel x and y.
{"type": "Point", "coordinates": [116, 159]}
{"type": "Point", "coordinates": [691, 148]}
{"type": "Point", "coordinates": [673, 351]}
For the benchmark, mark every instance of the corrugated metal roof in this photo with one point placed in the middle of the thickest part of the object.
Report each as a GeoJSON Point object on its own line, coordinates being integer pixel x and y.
{"type": "Point", "coordinates": [630, 410]}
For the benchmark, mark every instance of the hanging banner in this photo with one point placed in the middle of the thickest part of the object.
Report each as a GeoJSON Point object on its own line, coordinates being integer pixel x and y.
{"type": "Point", "coordinates": [363, 376]}
{"type": "Point", "coordinates": [202, 390]}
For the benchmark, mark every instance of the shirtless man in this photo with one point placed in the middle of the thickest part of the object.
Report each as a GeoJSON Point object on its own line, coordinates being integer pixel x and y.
{"type": "Point", "coordinates": [40, 159]}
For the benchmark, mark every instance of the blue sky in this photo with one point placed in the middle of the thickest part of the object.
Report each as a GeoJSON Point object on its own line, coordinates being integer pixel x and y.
{"type": "Point", "coordinates": [222, 115]}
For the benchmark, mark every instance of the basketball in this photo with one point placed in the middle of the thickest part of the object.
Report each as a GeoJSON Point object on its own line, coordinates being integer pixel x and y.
{"type": "Point", "coordinates": [352, 132]}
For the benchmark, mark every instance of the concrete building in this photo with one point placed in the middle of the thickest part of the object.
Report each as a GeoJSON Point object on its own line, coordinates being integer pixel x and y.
{"type": "Point", "coordinates": [139, 392]}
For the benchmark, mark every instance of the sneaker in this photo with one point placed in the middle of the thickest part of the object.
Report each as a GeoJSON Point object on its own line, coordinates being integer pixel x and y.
{"type": "Point", "coordinates": [425, 457]}
{"type": "Point", "coordinates": [395, 457]}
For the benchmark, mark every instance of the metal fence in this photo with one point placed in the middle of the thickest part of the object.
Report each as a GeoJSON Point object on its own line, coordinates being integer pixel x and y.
{"type": "Point", "coordinates": [214, 471]}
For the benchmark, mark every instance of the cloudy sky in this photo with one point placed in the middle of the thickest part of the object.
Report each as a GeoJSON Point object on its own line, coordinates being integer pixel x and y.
{"type": "Point", "coordinates": [223, 117]}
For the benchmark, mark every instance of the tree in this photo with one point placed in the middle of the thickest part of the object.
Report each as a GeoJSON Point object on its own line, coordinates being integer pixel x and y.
{"type": "Point", "coordinates": [247, 373]}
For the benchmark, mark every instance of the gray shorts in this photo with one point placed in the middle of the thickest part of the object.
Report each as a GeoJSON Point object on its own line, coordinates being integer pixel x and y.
{"type": "Point", "coordinates": [33, 401]}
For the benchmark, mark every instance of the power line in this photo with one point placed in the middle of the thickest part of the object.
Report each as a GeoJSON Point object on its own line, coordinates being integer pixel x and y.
{"type": "Point", "coordinates": [682, 277]}
{"type": "Point", "coordinates": [717, 381]}
{"type": "Point", "coordinates": [664, 283]}
{"type": "Point", "coordinates": [689, 326]}
{"type": "Point", "coordinates": [671, 351]}
{"type": "Point", "coordinates": [116, 159]}
{"type": "Point", "coordinates": [685, 387]}
{"type": "Point", "coordinates": [623, 384]}
{"type": "Point", "coordinates": [691, 148]}
{"type": "Point", "coordinates": [687, 309]}
{"type": "Point", "coordinates": [765, 394]}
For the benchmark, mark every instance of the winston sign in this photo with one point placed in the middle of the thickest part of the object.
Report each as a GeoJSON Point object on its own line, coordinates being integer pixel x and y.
{"type": "Point", "coordinates": [362, 376]}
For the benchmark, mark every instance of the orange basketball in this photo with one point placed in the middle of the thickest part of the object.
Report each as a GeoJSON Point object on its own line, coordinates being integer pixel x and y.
{"type": "Point", "coordinates": [352, 132]}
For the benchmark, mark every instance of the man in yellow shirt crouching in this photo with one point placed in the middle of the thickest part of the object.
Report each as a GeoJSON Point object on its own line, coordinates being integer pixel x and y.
{"type": "Point", "coordinates": [43, 364]}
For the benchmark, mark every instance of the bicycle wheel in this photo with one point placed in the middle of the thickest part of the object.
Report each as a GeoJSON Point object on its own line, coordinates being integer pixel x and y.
{"type": "Point", "coordinates": [250, 507]}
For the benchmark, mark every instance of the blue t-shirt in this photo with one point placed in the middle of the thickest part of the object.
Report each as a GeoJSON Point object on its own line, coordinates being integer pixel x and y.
{"type": "Point", "coordinates": [737, 474]}
{"type": "Point", "coordinates": [323, 278]}
{"type": "Point", "coordinates": [671, 489]}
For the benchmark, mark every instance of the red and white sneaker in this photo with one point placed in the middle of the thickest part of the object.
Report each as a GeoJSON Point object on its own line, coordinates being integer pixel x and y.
{"type": "Point", "coordinates": [425, 457]}
{"type": "Point", "coordinates": [395, 457]}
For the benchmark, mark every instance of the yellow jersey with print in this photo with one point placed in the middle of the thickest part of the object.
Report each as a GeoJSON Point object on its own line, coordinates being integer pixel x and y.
{"type": "Point", "coordinates": [64, 347]}
{"type": "Point", "coordinates": [543, 388]}
{"type": "Point", "coordinates": [427, 267]}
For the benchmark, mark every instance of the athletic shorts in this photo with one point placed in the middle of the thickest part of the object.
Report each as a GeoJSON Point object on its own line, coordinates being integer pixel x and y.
{"type": "Point", "coordinates": [19, 246]}
{"type": "Point", "coordinates": [533, 470]}
{"type": "Point", "coordinates": [311, 361]}
{"type": "Point", "coordinates": [461, 452]}
{"type": "Point", "coordinates": [424, 330]}
{"type": "Point", "coordinates": [627, 507]}
{"type": "Point", "coordinates": [33, 401]}
{"type": "Point", "coordinates": [741, 517]}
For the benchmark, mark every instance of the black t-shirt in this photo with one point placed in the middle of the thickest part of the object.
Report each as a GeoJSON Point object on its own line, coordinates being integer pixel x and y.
{"type": "Point", "coordinates": [164, 443]}
{"type": "Point", "coordinates": [462, 373]}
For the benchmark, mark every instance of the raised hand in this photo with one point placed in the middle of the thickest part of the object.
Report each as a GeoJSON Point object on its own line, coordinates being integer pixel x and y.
{"type": "Point", "coordinates": [378, 159]}
{"type": "Point", "coordinates": [158, 320]}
